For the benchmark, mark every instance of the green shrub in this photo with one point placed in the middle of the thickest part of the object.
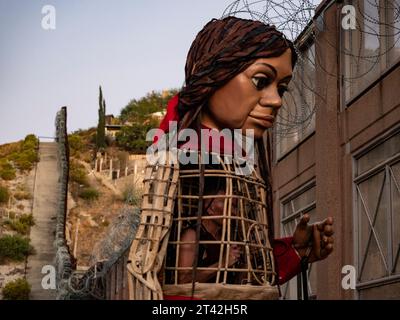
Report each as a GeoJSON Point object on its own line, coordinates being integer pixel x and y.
{"type": "Point", "coordinates": [31, 138]}
{"type": "Point", "coordinates": [28, 146]}
{"type": "Point", "coordinates": [24, 165]}
{"type": "Point", "coordinates": [14, 248]}
{"type": "Point", "coordinates": [13, 156]}
{"type": "Point", "coordinates": [27, 219]}
{"type": "Point", "coordinates": [24, 154]}
{"type": "Point", "coordinates": [17, 226]}
{"type": "Point", "coordinates": [77, 173]}
{"type": "Point", "coordinates": [12, 214]}
{"type": "Point", "coordinates": [6, 165]}
{"type": "Point", "coordinates": [131, 195]}
{"type": "Point", "coordinates": [7, 174]}
{"type": "Point", "coordinates": [133, 138]}
{"type": "Point", "coordinates": [7, 171]}
{"type": "Point", "coordinates": [89, 194]}
{"type": "Point", "coordinates": [26, 159]}
{"type": "Point", "coordinates": [22, 225]}
{"type": "Point", "coordinates": [30, 155]}
{"type": "Point", "coordinates": [75, 144]}
{"type": "Point", "coordinates": [30, 143]}
{"type": "Point", "coordinates": [21, 228]}
{"type": "Point", "coordinates": [4, 194]}
{"type": "Point", "coordinates": [7, 149]}
{"type": "Point", "coordinates": [22, 195]}
{"type": "Point", "coordinates": [18, 289]}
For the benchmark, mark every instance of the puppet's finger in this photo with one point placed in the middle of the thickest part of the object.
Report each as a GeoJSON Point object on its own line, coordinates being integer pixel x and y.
{"type": "Point", "coordinates": [317, 241]}
{"type": "Point", "coordinates": [323, 224]}
{"type": "Point", "coordinates": [326, 251]}
{"type": "Point", "coordinates": [303, 223]}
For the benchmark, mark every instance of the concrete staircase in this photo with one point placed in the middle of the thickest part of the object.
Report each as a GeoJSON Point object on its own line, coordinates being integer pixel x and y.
{"type": "Point", "coordinates": [44, 212]}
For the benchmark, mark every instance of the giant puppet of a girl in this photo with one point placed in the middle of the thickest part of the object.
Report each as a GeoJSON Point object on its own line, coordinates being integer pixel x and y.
{"type": "Point", "coordinates": [206, 229]}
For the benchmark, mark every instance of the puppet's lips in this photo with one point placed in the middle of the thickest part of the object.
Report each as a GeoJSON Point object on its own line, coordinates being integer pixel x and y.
{"type": "Point", "coordinates": [265, 120]}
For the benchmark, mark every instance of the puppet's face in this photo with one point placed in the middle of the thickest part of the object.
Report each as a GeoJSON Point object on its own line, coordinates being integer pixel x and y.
{"type": "Point", "coordinates": [252, 98]}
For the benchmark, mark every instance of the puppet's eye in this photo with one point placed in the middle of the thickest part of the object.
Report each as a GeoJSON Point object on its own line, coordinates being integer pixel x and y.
{"type": "Point", "coordinates": [260, 82]}
{"type": "Point", "coordinates": [282, 90]}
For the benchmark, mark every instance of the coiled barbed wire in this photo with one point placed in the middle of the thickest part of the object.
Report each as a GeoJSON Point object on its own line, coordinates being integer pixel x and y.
{"type": "Point", "coordinates": [91, 284]}
{"type": "Point", "coordinates": [376, 22]}
{"type": "Point", "coordinates": [290, 17]}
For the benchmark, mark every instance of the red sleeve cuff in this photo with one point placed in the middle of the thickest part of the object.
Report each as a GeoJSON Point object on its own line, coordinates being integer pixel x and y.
{"type": "Point", "coordinates": [286, 258]}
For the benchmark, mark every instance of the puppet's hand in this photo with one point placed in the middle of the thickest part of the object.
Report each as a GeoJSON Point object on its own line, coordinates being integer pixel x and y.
{"type": "Point", "coordinates": [318, 236]}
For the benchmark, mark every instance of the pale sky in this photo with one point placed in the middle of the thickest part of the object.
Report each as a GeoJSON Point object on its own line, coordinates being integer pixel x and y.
{"type": "Point", "coordinates": [129, 47]}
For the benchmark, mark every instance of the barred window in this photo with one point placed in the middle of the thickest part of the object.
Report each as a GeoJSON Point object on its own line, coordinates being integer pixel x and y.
{"type": "Point", "coordinates": [373, 46]}
{"type": "Point", "coordinates": [293, 207]}
{"type": "Point", "coordinates": [377, 208]}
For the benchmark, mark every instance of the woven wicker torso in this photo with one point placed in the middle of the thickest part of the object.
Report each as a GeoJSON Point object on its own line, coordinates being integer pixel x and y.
{"type": "Point", "coordinates": [155, 251]}
{"type": "Point", "coordinates": [244, 224]}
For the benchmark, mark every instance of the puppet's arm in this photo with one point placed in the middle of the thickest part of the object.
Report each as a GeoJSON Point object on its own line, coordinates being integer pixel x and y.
{"type": "Point", "coordinates": [149, 246]}
{"type": "Point", "coordinates": [287, 259]}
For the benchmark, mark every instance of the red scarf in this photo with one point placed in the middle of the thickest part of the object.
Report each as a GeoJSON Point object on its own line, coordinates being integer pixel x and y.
{"type": "Point", "coordinates": [172, 115]}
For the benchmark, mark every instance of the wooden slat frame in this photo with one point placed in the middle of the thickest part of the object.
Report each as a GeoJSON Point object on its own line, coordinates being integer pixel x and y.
{"type": "Point", "coordinates": [163, 187]}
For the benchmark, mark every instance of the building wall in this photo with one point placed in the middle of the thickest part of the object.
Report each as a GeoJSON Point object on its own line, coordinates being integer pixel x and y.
{"type": "Point", "coordinates": [327, 157]}
{"type": "Point", "coordinates": [112, 132]}
{"type": "Point", "coordinates": [374, 113]}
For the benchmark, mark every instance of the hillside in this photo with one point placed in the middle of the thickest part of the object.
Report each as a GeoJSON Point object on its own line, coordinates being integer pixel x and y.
{"type": "Point", "coordinates": [105, 180]}
{"type": "Point", "coordinates": [17, 174]}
